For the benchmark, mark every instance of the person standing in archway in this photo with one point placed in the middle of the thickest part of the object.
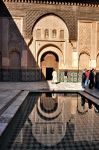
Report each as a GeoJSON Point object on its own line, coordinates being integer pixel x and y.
{"type": "Point", "coordinates": [54, 76]}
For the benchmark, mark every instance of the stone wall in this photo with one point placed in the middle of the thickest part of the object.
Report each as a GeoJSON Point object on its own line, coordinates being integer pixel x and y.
{"type": "Point", "coordinates": [19, 53]}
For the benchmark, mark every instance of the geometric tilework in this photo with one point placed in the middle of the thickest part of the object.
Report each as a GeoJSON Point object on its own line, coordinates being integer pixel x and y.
{"type": "Point", "coordinates": [36, 74]}
{"type": "Point", "coordinates": [72, 76]}
{"type": "Point", "coordinates": [20, 75]}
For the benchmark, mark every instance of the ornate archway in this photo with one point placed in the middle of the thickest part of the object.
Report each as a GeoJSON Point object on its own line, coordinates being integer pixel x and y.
{"type": "Point", "coordinates": [49, 62]}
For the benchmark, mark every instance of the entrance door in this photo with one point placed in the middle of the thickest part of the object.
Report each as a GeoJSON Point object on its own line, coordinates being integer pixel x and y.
{"type": "Point", "coordinates": [49, 73]}
{"type": "Point", "coordinates": [49, 61]}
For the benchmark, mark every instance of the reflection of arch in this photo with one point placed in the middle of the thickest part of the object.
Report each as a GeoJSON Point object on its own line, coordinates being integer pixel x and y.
{"type": "Point", "coordinates": [51, 115]}
{"type": "Point", "coordinates": [84, 60]}
{"type": "Point", "coordinates": [97, 61]}
{"type": "Point", "coordinates": [48, 104]}
{"type": "Point", "coordinates": [15, 60]}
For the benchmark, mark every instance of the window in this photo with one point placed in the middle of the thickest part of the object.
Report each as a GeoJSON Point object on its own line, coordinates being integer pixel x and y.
{"type": "Point", "coordinates": [62, 34]}
{"type": "Point", "coordinates": [38, 33]}
{"type": "Point", "coordinates": [46, 33]}
{"type": "Point", "coordinates": [54, 33]}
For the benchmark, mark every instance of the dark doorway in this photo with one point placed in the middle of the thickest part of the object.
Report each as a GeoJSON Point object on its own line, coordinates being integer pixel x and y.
{"type": "Point", "coordinates": [49, 73]}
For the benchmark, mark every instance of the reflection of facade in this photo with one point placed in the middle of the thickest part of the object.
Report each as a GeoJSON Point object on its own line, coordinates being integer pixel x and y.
{"type": "Point", "coordinates": [86, 130]}
{"type": "Point", "coordinates": [49, 127]}
{"type": "Point", "coordinates": [70, 123]}
{"type": "Point", "coordinates": [40, 31]}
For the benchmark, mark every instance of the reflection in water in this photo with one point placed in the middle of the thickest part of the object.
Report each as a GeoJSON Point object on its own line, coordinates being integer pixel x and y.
{"type": "Point", "coordinates": [75, 119]}
{"type": "Point", "coordinates": [96, 108]}
{"type": "Point", "coordinates": [52, 122]}
{"type": "Point", "coordinates": [82, 105]}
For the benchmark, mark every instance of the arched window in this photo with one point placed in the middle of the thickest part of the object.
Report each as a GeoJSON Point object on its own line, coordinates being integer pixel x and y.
{"type": "Point", "coordinates": [62, 34]}
{"type": "Point", "coordinates": [38, 33]}
{"type": "Point", "coordinates": [46, 33]}
{"type": "Point", "coordinates": [54, 32]}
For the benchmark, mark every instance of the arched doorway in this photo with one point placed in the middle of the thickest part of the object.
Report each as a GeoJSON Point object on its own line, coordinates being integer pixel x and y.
{"type": "Point", "coordinates": [49, 62]}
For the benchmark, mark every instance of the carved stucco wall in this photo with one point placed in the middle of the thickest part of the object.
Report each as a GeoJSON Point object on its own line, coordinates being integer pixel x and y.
{"type": "Point", "coordinates": [85, 37]}
{"type": "Point", "coordinates": [40, 42]}
{"type": "Point", "coordinates": [68, 16]}
{"type": "Point", "coordinates": [87, 44]}
{"type": "Point", "coordinates": [32, 13]}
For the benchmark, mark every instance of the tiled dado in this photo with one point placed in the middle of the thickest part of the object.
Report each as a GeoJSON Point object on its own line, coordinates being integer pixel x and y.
{"type": "Point", "coordinates": [20, 75]}
{"type": "Point", "coordinates": [31, 75]}
{"type": "Point", "coordinates": [69, 76]}
{"type": "Point", "coordinates": [36, 75]}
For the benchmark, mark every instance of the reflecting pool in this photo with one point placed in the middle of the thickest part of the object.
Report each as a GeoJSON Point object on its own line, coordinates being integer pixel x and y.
{"type": "Point", "coordinates": [57, 121]}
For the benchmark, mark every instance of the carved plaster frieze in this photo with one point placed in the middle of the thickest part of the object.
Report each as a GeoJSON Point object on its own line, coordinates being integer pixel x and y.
{"type": "Point", "coordinates": [32, 17]}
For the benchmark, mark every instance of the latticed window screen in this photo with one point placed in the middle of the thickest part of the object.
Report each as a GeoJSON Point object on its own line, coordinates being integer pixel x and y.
{"type": "Point", "coordinates": [54, 32]}
{"type": "Point", "coordinates": [46, 33]}
{"type": "Point", "coordinates": [38, 33]}
{"type": "Point", "coordinates": [62, 34]}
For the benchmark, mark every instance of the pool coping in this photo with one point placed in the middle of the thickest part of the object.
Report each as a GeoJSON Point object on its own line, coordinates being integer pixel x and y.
{"type": "Point", "coordinates": [10, 112]}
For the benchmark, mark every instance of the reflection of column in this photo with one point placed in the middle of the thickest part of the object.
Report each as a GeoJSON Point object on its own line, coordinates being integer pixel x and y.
{"type": "Point", "coordinates": [82, 108]}
{"type": "Point", "coordinates": [83, 124]}
{"type": "Point", "coordinates": [73, 106]}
